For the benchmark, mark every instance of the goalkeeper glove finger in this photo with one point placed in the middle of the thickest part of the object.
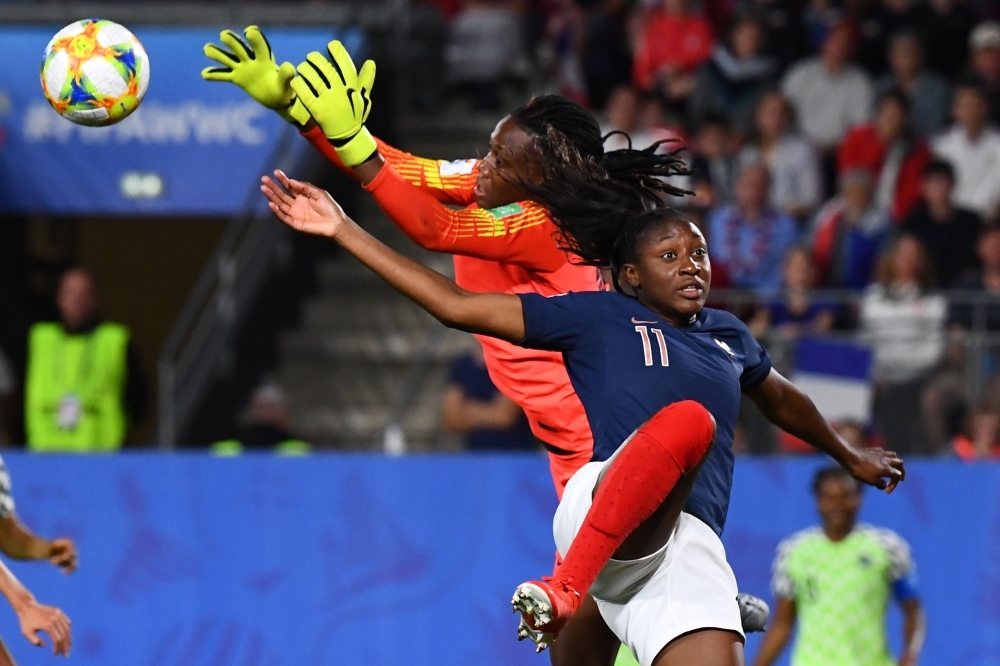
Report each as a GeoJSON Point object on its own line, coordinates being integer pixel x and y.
{"type": "Point", "coordinates": [251, 65]}
{"type": "Point", "coordinates": [330, 90]}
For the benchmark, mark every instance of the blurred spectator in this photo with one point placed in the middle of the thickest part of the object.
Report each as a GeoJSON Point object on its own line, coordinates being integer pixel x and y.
{"type": "Point", "coordinates": [820, 17]}
{"type": "Point", "coordinates": [981, 437]}
{"type": "Point", "coordinates": [640, 118]}
{"type": "Point", "coordinates": [828, 93]}
{"type": "Point", "coordinates": [848, 234]}
{"type": "Point", "coordinates": [928, 92]}
{"type": "Point", "coordinates": [8, 388]}
{"type": "Point", "coordinates": [473, 407]}
{"type": "Point", "coordinates": [485, 48]}
{"type": "Point", "coordinates": [749, 239]}
{"type": "Point", "coordinates": [796, 184]}
{"type": "Point", "coordinates": [973, 148]}
{"type": "Point", "coordinates": [735, 77]}
{"type": "Point", "coordinates": [564, 31]}
{"type": "Point", "coordinates": [905, 327]}
{"type": "Point", "coordinates": [944, 27]}
{"type": "Point", "coordinates": [85, 387]}
{"type": "Point", "coordinates": [985, 63]}
{"type": "Point", "coordinates": [787, 38]}
{"type": "Point", "coordinates": [853, 432]}
{"type": "Point", "coordinates": [606, 53]}
{"type": "Point", "coordinates": [877, 21]}
{"type": "Point", "coordinates": [797, 312]}
{"type": "Point", "coordinates": [266, 426]}
{"type": "Point", "coordinates": [713, 166]}
{"type": "Point", "coordinates": [888, 149]}
{"type": "Point", "coordinates": [673, 44]}
{"type": "Point", "coordinates": [985, 280]}
{"type": "Point", "coordinates": [949, 234]}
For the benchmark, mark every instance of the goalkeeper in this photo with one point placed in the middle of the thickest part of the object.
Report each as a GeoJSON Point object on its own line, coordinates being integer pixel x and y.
{"type": "Point", "coordinates": [502, 239]}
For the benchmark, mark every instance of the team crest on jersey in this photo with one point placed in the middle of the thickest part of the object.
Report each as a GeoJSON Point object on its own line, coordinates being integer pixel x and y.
{"type": "Point", "coordinates": [501, 212]}
{"type": "Point", "coordinates": [456, 168]}
{"type": "Point", "coordinates": [725, 348]}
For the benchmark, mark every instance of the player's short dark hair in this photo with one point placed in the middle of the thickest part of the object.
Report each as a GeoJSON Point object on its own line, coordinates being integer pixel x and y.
{"type": "Point", "coordinates": [595, 197]}
{"type": "Point", "coordinates": [939, 167]}
{"type": "Point", "coordinates": [833, 472]}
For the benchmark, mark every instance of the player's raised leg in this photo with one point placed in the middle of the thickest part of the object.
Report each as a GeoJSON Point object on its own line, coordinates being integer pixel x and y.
{"type": "Point", "coordinates": [634, 510]}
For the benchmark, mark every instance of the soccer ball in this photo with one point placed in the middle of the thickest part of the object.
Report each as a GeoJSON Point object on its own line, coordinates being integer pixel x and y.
{"type": "Point", "coordinates": [94, 72]}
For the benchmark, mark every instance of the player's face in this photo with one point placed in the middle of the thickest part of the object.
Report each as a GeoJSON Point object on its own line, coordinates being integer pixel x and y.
{"type": "Point", "coordinates": [839, 502]}
{"type": "Point", "coordinates": [671, 274]}
{"type": "Point", "coordinates": [512, 159]}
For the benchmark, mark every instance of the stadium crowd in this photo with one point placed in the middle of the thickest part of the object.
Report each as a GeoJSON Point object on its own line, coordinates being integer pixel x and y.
{"type": "Point", "coordinates": [835, 145]}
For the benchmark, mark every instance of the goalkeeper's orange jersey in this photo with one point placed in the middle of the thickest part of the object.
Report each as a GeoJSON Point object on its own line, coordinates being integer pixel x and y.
{"type": "Point", "coordinates": [510, 249]}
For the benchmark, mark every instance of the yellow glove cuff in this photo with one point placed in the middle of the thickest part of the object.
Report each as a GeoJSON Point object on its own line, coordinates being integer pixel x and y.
{"type": "Point", "coordinates": [295, 113]}
{"type": "Point", "coordinates": [359, 148]}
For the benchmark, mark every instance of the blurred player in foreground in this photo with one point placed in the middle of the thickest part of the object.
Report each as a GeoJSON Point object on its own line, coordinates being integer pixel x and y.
{"type": "Point", "coordinates": [19, 543]}
{"type": "Point", "coordinates": [660, 378]}
{"type": "Point", "coordinates": [836, 581]}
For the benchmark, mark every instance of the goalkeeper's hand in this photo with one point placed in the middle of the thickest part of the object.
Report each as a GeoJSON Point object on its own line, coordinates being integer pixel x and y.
{"type": "Point", "coordinates": [251, 66]}
{"type": "Point", "coordinates": [336, 95]}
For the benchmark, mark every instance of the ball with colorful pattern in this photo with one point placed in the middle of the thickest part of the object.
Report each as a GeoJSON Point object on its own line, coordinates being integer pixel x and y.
{"type": "Point", "coordinates": [95, 72]}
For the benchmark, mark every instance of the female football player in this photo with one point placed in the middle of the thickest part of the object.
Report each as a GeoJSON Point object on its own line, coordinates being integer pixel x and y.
{"type": "Point", "coordinates": [502, 237]}
{"type": "Point", "coordinates": [660, 378]}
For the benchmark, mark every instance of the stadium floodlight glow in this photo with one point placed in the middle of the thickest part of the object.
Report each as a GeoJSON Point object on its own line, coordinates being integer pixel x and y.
{"type": "Point", "coordinates": [141, 185]}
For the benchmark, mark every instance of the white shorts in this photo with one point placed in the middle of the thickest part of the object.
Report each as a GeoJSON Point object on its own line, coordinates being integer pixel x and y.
{"type": "Point", "coordinates": [685, 586]}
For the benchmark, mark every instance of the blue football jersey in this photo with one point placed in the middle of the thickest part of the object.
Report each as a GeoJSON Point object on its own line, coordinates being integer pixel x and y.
{"type": "Point", "coordinates": [626, 363]}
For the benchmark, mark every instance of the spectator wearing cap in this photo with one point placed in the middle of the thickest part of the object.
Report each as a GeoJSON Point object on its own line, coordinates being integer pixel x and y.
{"type": "Point", "coordinates": [887, 148]}
{"type": "Point", "coordinates": [796, 183]}
{"type": "Point", "coordinates": [944, 27]}
{"type": "Point", "coordinates": [749, 240]}
{"type": "Point", "coordinates": [948, 234]}
{"type": "Point", "coordinates": [972, 147]}
{"type": "Point", "coordinates": [985, 63]}
{"type": "Point", "coordinates": [848, 234]}
{"type": "Point", "coordinates": [735, 77]}
{"type": "Point", "coordinates": [928, 92]}
{"type": "Point", "coordinates": [673, 44]}
{"type": "Point", "coordinates": [829, 94]}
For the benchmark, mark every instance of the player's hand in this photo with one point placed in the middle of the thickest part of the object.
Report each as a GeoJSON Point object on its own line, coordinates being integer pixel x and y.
{"type": "Point", "coordinates": [251, 65]}
{"type": "Point", "coordinates": [35, 618]}
{"type": "Point", "coordinates": [337, 96]}
{"type": "Point", "coordinates": [879, 468]}
{"type": "Point", "coordinates": [62, 553]}
{"type": "Point", "coordinates": [303, 206]}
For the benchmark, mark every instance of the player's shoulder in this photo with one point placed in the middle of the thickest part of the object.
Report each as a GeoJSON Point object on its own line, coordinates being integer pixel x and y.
{"type": "Point", "coordinates": [792, 545]}
{"type": "Point", "coordinates": [888, 540]}
{"type": "Point", "coordinates": [722, 322]}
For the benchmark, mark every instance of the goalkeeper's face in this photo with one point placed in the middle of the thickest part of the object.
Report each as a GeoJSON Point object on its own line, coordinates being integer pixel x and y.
{"type": "Point", "coordinates": [512, 159]}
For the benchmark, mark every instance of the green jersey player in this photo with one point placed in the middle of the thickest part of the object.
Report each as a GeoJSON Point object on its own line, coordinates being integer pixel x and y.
{"type": "Point", "coordinates": [836, 582]}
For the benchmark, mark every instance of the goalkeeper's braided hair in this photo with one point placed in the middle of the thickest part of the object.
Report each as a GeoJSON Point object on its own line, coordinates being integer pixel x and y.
{"type": "Point", "coordinates": [600, 201]}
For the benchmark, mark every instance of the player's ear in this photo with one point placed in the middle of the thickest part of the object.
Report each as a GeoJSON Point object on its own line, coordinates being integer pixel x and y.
{"type": "Point", "coordinates": [631, 273]}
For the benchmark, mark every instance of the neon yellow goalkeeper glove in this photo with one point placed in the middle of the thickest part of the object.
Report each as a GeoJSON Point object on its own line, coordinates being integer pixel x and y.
{"type": "Point", "coordinates": [336, 95]}
{"type": "Point", "coordinates": [251, 66]}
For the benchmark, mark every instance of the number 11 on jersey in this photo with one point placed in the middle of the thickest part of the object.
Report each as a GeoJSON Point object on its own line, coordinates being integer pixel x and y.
{"type": "Point", "coordinates": [647, 346]}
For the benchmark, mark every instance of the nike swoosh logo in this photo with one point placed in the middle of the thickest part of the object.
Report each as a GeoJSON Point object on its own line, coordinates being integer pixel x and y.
{"type": "Point", "coordinates": [639, 321]}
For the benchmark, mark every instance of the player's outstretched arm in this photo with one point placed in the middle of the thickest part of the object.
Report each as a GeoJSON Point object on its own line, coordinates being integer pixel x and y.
{"type": "Point", "coordinates": [777, 634]}
{"type": "Point", "coordinates": [784, 405]}
{"type": "Point", "coordinates": [35, 617]}
{"type": "Point", "coordinates": [20, 543]}
{"type": "Point", "coordinates": [914, 631]}
{"type": "Point", "coordinates": [307, 208]}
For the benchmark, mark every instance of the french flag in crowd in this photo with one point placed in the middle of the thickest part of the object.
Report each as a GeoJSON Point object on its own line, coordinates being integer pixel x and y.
{"type": "Point", "coordinates": [837, 376]}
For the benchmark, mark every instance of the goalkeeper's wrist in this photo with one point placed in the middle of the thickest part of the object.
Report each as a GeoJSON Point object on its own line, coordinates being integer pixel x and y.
{"type": "Point", "coordinates": [295, 113]}
{"type": "Point", "coordinates": [356, 150]}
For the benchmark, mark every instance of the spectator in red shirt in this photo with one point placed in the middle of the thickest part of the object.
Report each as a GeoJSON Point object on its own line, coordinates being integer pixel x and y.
{"type": "Point", "coordinates": [888, 149]}
{"type": "Point", "coordinates": [673, 43]}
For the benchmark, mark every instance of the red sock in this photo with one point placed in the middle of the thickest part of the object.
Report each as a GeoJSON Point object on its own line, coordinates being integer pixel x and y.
{"type": "Point", "coordinates": [647, 468]}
